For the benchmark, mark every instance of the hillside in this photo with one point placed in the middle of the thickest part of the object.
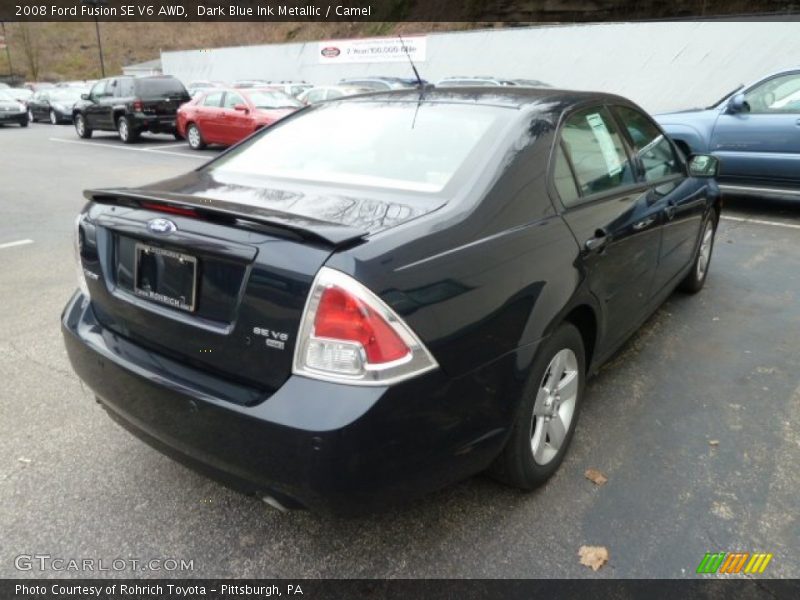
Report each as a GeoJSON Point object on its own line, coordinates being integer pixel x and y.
{"type": "Point", "coordinates": [64, 50]}
{"type": "Point", "coordinates": [59, 51]}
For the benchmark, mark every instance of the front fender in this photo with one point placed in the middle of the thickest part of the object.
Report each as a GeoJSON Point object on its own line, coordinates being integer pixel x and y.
{"type": "Point", "coordinates": [689, 135]}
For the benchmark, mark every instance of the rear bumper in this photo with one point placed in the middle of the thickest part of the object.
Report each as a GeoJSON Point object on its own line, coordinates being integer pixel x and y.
{"type": "Point", "coordinates": [321, 445]}
{"type": "Point", "coordinates": [155, 124]}
{"type": "Point", "coordinates": [13, 117]}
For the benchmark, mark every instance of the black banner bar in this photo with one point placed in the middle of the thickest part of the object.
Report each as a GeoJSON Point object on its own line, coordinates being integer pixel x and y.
{"type": "Point", "coordinates": [506, 11]}
{"type": "Point", "coordinates": [402, 589]}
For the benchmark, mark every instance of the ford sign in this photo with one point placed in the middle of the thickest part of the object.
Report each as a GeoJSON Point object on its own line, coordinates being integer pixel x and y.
{"type": "Point", "coordinates": [161, 226]}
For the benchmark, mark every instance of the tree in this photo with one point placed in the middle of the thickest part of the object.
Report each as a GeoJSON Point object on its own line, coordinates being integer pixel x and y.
{"type": "Point", "coordinates": [30, 49]}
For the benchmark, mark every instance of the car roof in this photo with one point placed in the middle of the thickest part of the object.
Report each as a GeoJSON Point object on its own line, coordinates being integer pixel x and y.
{"type": "Point", "coordinates": [510, 96]}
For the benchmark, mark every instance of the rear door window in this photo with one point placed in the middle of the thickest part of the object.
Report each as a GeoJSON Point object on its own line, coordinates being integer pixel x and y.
{"type": "Point", "coordinates": [125, 88]}
{"type": "Point", "coordinates": [563, 178]}
{"type": "Point", "coordinates": [232, 99]}
{"type": "Point", "coordinates": [595, 147]}
{"type": "Point", "coordinates": [653, 149]}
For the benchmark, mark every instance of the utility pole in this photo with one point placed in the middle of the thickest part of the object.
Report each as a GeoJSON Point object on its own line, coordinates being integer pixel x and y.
{"type": "Point", "coordinates": [8, 50]}
{"type": "Point", "coordinates": [95, 4]}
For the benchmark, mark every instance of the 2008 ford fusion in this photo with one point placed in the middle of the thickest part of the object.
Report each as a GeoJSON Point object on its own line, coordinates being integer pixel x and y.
{"type": "Point", "coordinates": [381, 295]}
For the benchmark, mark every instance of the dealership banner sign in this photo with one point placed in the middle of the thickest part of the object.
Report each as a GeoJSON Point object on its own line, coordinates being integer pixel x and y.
{"type": "Point", "coordinates": [367, 50]}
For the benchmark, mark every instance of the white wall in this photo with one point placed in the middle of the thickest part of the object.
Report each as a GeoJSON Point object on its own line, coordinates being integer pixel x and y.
{"type": "Point", "coordinates": [660, 65]}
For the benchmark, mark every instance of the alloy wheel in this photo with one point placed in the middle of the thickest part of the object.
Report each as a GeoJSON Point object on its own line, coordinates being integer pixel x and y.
{"type": "Point", "coordinates": [80, 125]}
{"type": "Point", "coordinates": [30, 116]}
{"type": "Point", "coordinates": [193, 135]}
{"type": "Point", "coordinates": [554, 407]}
{"type": "Point", "coordinates": [704, 255]}
{"type": "Point", "coordinates": [123, 129]}
{"type": "Point", "coordinates": [53, 117]}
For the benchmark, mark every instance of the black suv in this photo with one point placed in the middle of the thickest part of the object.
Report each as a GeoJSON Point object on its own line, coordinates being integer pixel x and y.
{"type": "Point", "coordinates": [129, 106]}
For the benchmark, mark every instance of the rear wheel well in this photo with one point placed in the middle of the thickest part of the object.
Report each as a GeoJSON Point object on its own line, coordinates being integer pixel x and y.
{"type": "Point", "coordinates": [584, 319]}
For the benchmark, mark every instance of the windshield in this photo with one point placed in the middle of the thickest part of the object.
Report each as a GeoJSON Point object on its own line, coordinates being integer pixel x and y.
{"type": "Point", "coordinates": [399, 145]}
{"type": "Point", "coordinates": [273, 99]}
{"type": "Point", "coordinates": [67, 95]}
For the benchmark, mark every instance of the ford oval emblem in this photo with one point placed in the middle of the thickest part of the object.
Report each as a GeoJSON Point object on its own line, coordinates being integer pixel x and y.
{"type": "Point", "coordinates": [161, 226]}
{"type": "Point", "coordinates": [330, 52]}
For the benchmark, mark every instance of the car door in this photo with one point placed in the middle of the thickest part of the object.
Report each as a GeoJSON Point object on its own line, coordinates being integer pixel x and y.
{"type": "Point", "coordinates": [236, 124]}
{"type": "Point", "coordinates": [761, 143]}
{"type": "Point", "coordinates": [94, 111]}
{"type": "Point", "coordinates": [208, 117]}
{"type": "Point", "coordinates": [678, 201]}
{"type": "Point", "coordinates": [35, 104]}
{"type": "Point", "coordinates": [608, 210]}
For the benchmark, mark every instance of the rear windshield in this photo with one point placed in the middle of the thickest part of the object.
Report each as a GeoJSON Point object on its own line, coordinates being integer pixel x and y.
{"type": "Point", "coordinates": [160, 87]}
{"type": "Point", "coordinates": [399, 145]}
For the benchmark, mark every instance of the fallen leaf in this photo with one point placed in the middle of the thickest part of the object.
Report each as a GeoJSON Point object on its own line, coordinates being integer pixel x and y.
{"type": "Point", "coordinates": [593, 556]}
{"type": "Point", "coordinates": [713, 442]}
{"type": "Point", "coordinates": [595, 476]}
{"type": "Point", "coordinates": [24, 460]}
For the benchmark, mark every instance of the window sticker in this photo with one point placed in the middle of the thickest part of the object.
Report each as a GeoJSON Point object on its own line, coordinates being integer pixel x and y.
{"type": "Point", "coordinates": [603, 137]}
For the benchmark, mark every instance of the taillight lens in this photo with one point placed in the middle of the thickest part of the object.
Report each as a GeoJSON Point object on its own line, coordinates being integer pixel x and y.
{"type": "Point", "coordinates": [350, 335]}
{"type": "Point", "coordinates": [78, 247]}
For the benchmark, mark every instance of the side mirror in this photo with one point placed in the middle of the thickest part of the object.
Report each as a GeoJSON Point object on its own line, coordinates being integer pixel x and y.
{"type": "Point", "coordinates": [703, 165]}
{"type": "Point", "coordinates": [241, 108]}
{"type": "Point", "coordinates": [738, 104]}
{"type": "Point", "coordinates": [84, 96]}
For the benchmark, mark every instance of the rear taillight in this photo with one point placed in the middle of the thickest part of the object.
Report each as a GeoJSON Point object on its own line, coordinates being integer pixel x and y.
{"type": "Point", "coordinates": [138, 105]}
{"type": "Point", "coordinates": [77, 246]}
{"type": "Point", "coordinates": [348, 334]}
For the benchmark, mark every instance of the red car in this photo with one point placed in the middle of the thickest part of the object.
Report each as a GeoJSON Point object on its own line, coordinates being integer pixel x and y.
{"type": "Point", "coordinates": [226, 116]}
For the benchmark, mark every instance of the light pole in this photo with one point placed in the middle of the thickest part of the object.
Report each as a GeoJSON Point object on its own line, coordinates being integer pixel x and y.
{"type": "Point", "coordinates": [95, 4]}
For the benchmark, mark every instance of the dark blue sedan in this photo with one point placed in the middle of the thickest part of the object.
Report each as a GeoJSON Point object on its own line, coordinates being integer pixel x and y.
{"type": "Point", "coordinates": [754, 131]}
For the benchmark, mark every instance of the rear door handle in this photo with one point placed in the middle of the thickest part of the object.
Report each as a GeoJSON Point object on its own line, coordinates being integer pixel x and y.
{"type": "Point", "coordinates": [598, 242]}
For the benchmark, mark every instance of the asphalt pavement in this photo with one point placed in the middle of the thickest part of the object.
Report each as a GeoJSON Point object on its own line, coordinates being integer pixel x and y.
{"type": "Point", "coordinates": [694, 423]}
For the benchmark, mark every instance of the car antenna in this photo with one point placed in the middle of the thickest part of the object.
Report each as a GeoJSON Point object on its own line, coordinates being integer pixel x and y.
{"type": "Point", "coordinates": [420, 83]}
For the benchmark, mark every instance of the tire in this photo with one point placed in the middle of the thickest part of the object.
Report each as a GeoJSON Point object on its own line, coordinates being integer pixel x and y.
{"type": "Point", "coordinates": [30, 116]}
{"type": "Point", "coordinates": [532, 453]}
{"type": "Point", "coordinates": [696, 278]}
{"type": "Point", "coordinates": [126, 132]}
{"type": "Point", "coordinates": [194, 137]}
{"type": "Point", "coordinates": [53, 117]}
{"type": "Point", "coordinates": [81, 127]}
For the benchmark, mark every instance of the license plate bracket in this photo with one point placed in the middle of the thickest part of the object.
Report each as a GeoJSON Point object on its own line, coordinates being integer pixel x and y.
{"type": "Point", "coordinates": [165, 276]}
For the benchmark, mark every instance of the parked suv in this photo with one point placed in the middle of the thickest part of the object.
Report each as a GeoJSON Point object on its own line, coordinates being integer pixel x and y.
{"type": "Point", "coordinates": [754, 131]}
{"type": "Point", "coordinates": [130, 106]}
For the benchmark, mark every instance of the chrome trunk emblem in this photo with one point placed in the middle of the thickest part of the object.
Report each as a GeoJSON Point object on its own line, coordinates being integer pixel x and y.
{"type": "Point", "coordinates": [161, 226]}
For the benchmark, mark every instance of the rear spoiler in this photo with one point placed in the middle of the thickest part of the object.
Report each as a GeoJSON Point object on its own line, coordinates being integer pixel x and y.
{"type": "Point", "coordinates": [333, 234]}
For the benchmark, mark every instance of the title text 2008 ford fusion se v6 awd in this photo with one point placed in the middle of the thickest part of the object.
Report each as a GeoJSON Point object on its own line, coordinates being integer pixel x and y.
{"type": "Point", "coordinates": [381, 295]}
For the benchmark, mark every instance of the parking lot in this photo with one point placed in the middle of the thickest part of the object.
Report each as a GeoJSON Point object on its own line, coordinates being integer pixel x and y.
{"type": "Point", "coordinates": [695, 423]}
